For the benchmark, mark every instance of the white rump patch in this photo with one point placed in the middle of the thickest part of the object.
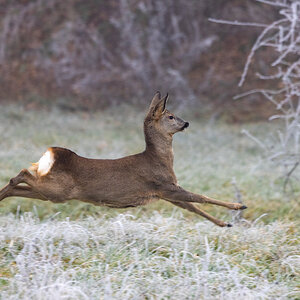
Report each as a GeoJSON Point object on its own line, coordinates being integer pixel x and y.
{"type": "Point", "coordinates": [45, 163]}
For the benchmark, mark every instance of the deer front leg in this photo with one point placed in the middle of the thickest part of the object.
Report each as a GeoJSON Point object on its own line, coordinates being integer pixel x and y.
{"type": "Point", "coordinates": [178, 194]}
{"type": "Point", "coordinates": [194, 209]}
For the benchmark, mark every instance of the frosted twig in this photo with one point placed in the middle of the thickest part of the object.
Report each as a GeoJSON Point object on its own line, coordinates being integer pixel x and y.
{"type": "Point", "coordinates": [261, 144]}
{"type": "Point", "coordinates": [239, 23]}
{"type": "Point", "coordinates": [278, 4]}
{"type": "Point", "coordinates": [237, 215]}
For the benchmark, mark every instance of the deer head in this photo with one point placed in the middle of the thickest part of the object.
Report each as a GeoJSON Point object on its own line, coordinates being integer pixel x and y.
{"type": "Point", "coordinates": [162, 120]}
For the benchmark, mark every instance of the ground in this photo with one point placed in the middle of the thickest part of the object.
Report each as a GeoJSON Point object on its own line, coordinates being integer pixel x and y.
{"type": "Point", "coordinates": [79, 251]}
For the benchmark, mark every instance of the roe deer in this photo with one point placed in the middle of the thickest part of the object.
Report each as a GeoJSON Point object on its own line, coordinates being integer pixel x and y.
{"type": "Point", "coordinates": [130, 181]}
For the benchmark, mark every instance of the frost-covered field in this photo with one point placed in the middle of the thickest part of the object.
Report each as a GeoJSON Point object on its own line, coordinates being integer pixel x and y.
{"type": "Point", "coordinates": [150, 257]}
{"type": "Point", "coordinates": [78, 251]}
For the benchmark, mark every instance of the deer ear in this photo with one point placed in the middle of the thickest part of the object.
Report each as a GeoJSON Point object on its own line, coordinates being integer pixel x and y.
{"type": "Point", "coordinates": [165, 100]}
{"type": "Point", "coordinates": [154, 105]}
{"type": "Point", "coordinates": [155, 100]}
{"type": "Point", "coordinates": [160, 107]}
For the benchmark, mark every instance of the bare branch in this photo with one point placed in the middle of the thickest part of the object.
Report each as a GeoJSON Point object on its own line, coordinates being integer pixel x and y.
{"type": "Point", "coordinates": [237, 23]}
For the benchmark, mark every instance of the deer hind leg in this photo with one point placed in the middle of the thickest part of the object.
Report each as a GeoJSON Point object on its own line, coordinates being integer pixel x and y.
{"type": "Point", "coordinates": [12, 188]}
{"type": "Point", "coordinates": [5, 191]}
{"type": "Point", "coordinates": [178, 193]}
{"type": "Point", "coordinates": [194, 209]}
{"type": "Point", "coordinates": [25, 192]}
{"type": "Point", "coordinates": [23, 177]}
{"type": "Point", "coordinates": [20, 191]}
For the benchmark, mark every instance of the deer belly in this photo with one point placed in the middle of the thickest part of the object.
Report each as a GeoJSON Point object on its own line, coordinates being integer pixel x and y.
{"type": "Point", "coordinates": [131, 202]}
{"type": "Point", "coordinates": [122, 202]}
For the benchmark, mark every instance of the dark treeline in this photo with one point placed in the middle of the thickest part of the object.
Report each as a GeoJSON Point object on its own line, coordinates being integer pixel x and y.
{"type": "Point", "coordinates": [90, 53]}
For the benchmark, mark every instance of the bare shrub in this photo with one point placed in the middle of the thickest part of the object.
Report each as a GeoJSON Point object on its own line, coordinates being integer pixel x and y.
{"type": "Point", "coordinates": [107, 52]}
{"type": "Point", "coordinates": [283, 37]}
{"type": "Point", "coordinates": [132, 47]}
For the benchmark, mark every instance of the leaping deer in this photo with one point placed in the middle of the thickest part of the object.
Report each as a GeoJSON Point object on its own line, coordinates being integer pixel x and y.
{"type": "Point", "coordinates": [134, 180]}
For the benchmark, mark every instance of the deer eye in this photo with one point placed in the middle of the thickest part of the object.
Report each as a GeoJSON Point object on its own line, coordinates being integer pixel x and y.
{"type": "Point", "coordinates": [171, 117]}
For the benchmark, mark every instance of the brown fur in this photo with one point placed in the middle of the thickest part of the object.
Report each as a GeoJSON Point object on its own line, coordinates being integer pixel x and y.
{"type": "Point", "coordinates": [125, 182]}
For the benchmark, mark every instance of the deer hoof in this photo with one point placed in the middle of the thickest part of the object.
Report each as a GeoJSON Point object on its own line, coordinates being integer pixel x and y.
{"type": "Point", "coordinates": [229, 225]}
{"type": "Point", "coordinates": [244, 207]}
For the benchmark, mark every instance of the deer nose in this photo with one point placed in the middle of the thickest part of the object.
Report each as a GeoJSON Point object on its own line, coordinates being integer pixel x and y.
{"type": "Point", "coordinates": [186, 125]}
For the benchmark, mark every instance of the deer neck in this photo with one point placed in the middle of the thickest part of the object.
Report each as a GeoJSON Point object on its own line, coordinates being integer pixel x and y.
{"type": "Point", "coordinates": [159, 146]}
